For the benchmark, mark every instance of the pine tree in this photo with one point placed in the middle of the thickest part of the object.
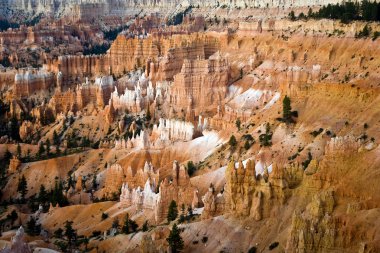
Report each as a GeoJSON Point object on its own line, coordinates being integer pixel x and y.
{"type": "Point", "coordinates": [19, 153]}
{"type": "Point", "coordinates": [56, 140]}
{"type": "Point", "coordinates": [145, 226]}
{"type": "Point", "coordinates": [148, 115]}
{"type": "Point", "coordinates": [238, 124]}
{"type": "Point", "coordinates": [47, 147]}
{"type": "Point", "coordinates": [129, 225]}
{"type": "Point", "coordinates": [42, 195]}
{"type": "Point", "coordinates": [22, 187]}
{"type": "Point", "coordinates": [232, 141]}
{"type": "Point", "coordinates": [173, 211]}
{"type": "Point", "coordinates": [115, 223]}
{"type": "Point", "coordinates": [126, 228]}
{"type": "Point", "coordinates": [286, 110]}
{"type": "Point", "coordinates": [175, 240]}
{"type": "Point", "coordinates": [94, 184]}
{"type": "Point", "coordinates": [70, 232]}
{"type": "Point", "coordinates": [13, 216]}
{"type": "Point", "coordinates": [32, 228]}
{"type": "Point", "coordinates": [292, 16]}
{"type": "Point", "coordinates": [41, 149]}
{"type": "Point", "coordinates": [247, 145]}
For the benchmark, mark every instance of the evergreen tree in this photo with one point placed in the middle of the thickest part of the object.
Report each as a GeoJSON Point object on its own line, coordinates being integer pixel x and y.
{"type": "Point", "coordinates": [173, 211]}
{"type": "Point", "coordinates": [310, 13]}
{"type": "Point", "coordinates": [247, 145]}
{"type": "Point", "coordinates": [41, 149]}
{"type": "Point", "coordinates": [129, 225]}
{"type": "Point", "coordinates": [70, 233]}
{"type": "Point", "coordinates": [286, 110]}
{"type": "Point", "coordinates": [47, 147]}
{"type": "Point", "coordinates": [94, 184]}
{"type": "Point", "coordinates": [56, 140]}
{"type": "Point", "coordinates": [19, 153]}
{"type": "Point", "coordinates": [22, 187]}
{"type": "Point", "coordinates": [232, 141]}
{"type": "Point", "coordinates": [57, 150]}
{"type": "Point", "coordinates": [13, 216]}
{"type": "Point", "coordinates": [43, 195]}
{"type": "Point", "coordinates": [238, 124]}
{"type": "Point", "coordinates": [115, 223]}
{"type": "Point", "coordinates": [32, 228]}
{"type": "Point", "coordinates": [266, 138]}
{"type": "Point", "coordinates": [148, 115]}
{"type": "Point", "coordinates": [58, 233]}
{"type": "Point", "coordinates": [56, 195]}
{"type": "Point", "coordinates": [145, 226]}
{"type": "Point", "coordinates": [191, 168]}
{"type": "Point", "coordinates": [292, 16]}
{"type": "Point", "coordinates": [175, 240]}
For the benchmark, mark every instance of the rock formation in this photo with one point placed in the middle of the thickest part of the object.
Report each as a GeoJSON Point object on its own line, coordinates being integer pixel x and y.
{"type": "Point", "coordinates": [117, 176]}
{"type": "Point", "coordinates": [97, 94]}
{"type": "Point", "coordinates": [315, 228]}
{"type": "Point", "coordinates": [18, 244]}
{"type": "Point", "coordinates": [177, 188]}
{"type": "Point", "coordinates": [342, 145]}
{"type": "Point", "coordinates": [28, 82]}
{"type": "Point", "coordinates": [213, 204]}
{"type": "Point", "coordinates": [140, 198]}
{"type": "Point", "coordinates": [14, 165]}
{"type": "Point", "coordinates": [204, 82]}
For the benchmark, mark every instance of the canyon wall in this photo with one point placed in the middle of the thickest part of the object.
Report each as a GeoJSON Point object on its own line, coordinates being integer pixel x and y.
{"type": "Point", "coordinates": [97, 93]}
{"type": "Point", "coordinates": [161, 56]}
{"type": "Point", "coordinates": [27, 82]}
{"type": "Point", "coordinates": [83, 9]}
{"type": "Point", "coordinates": [200, 84]}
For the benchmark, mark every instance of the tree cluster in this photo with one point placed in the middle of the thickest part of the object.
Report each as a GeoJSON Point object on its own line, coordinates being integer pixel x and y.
{"type": "Point", "coordinates": [349, 11]}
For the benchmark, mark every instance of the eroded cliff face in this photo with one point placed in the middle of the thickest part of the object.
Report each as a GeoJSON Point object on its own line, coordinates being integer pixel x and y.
{"type": "Point", "coordinates": [161, 56]}
{"type": "Point", "coordinates": [315, 208]}
{"type": "Point", "coordinates": [200, 85]}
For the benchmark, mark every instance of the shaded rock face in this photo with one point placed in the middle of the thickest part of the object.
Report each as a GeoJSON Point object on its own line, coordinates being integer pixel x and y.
{"type": "Point", "coordinates": [18, 244]}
